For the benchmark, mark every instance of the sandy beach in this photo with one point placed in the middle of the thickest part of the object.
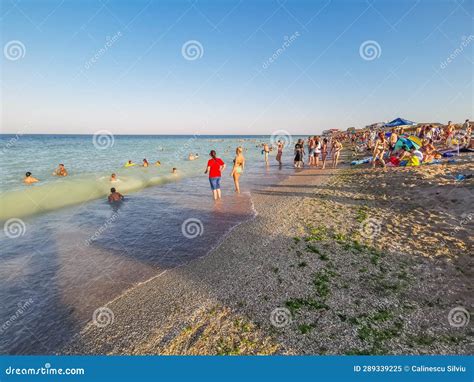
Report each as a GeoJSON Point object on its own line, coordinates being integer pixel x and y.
{"type": "Point", "coordinates": [346, 261]}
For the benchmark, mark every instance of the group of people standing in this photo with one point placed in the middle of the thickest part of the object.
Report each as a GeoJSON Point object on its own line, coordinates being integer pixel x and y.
{"type": "Point", "coordinates": [317, 147]}
{"type": "Point", "coordinates": [215, 167]}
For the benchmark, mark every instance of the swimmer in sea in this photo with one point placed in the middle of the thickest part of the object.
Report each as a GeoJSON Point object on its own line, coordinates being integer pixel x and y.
{"type": "Point", "coordinates": [29, 178]}
{"type": "Point", "coordinates": [115, 196]}
{"type": "Point", "coordinates": [113, 178]}
{"type": "Point", "coordinates": [191, 157]}
{"type": "Point", "coordinates": [157, 163]}
{"type": "Point", "coordinates": [60, 171]}
{"type": "Point", "coordinates": [145, 163]}
{"type": "Point", "coordinates": [174, 170]}
{"type": "Point", "coordinates": [129, 164]}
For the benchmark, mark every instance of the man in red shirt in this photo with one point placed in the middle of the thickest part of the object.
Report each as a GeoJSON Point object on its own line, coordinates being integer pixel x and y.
{"type": "Point", "coordinates": [215, 166]}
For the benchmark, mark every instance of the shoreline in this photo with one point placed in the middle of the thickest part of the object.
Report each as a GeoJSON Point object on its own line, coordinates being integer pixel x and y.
{"type": "Point", "coordinates": [304, 284]}
{"type": "Point", "coordinates": [128, 296]}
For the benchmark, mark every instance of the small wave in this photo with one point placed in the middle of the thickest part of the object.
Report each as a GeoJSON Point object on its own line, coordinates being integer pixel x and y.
{"type": "Point", "coordinates": [65, 192]}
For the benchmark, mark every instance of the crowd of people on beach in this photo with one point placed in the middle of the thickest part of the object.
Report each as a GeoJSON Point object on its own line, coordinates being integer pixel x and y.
{"type": "Point", "coordinates": [412, 145]}
{"type": "Point", "coordinates": [318, 147]}
{"type": "Point", "coordinates": [401, 146]}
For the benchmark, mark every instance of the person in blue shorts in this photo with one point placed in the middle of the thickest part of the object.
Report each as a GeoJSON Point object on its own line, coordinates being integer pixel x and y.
{"type": "Point", "coordinates": [215, 166]}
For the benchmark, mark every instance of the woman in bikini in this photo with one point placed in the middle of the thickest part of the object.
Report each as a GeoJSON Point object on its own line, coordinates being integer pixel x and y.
{"type": "Point", "coordinates": [335, 152]}
{"type": "Point", "coordinates": [379, 150]}
{"type": "Point", "coordinates": [450, 130]}
{"type": "Point", "coordinates": [317, 151]}
{"type": "Point", "coordinates": [239, 164]}
{"type": "Point", "coordinates": [311, 146]}
{"type": "Point", "coordinates": [324, 152]}
{"type": "Point", "coordinates": [428, 150]}
{"type": "Point", "coordinates": [279, 152]}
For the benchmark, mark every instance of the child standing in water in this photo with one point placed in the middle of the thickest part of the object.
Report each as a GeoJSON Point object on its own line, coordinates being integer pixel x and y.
{"type": "Point", "coordinates": [239, 163]}
{"type": "Point", "coordinates": [215, 166]}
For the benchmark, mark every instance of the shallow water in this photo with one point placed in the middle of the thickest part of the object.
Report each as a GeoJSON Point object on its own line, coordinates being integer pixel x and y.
{"type": "Point", "coordinates": [73, 252]}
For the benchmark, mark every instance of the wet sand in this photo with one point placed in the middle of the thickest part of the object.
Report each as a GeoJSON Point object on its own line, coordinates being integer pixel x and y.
{"type": "Point", "coordinates": [352, 261]}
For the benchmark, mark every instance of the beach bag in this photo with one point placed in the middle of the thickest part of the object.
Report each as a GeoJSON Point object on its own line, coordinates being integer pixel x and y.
{"type": "Point", "coordinates": [413, 161]}
{"type": "Point", "coordinates": [394, 161]}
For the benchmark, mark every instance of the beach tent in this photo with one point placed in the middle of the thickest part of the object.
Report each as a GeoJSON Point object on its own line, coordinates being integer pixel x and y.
{"type": "Point", "coordinates": [399, 122]}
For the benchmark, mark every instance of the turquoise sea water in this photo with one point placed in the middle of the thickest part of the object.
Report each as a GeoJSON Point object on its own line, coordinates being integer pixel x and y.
{"type": "Point", "coordinates": [66, 252]}
{"type": "Point", "coordinates": [90, 161]}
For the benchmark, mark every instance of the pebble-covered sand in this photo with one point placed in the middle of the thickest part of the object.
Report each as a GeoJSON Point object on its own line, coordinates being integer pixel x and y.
{"type": "Point", "coordinates": [353, 261]}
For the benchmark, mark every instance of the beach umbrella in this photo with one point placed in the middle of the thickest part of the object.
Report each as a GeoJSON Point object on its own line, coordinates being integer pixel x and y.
{"type": "Point", "coordinates": [416, 141]}
{"type": "Point", "coordinates": [400, 143]}
{"type": "Point", "coordinates": [406, 142]}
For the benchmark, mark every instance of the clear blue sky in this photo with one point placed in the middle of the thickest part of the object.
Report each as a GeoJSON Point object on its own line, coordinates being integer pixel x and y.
{"type": "Point", "coordinates": [143, 84]}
